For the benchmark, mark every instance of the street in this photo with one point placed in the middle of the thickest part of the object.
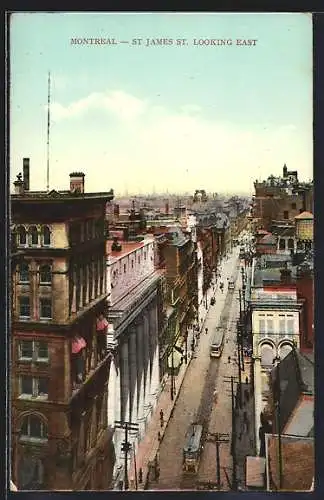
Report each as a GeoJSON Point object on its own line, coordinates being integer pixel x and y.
{"type": "Point", "coordinates": [196, 402]}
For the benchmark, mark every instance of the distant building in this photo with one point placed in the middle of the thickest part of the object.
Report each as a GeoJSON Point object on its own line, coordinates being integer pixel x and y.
{"type": "Point", "coordinates": [280, 199]}
{"type": "Point", "coordinates": [59, 379]}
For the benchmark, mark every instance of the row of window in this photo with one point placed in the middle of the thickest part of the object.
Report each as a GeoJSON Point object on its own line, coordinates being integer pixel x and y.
{"type": "Point", "coordinates": [45, 273]}
{"type": "Point", "coordinates": [45, 307]}
{"type": "Point", "coordinates": [32, 236]}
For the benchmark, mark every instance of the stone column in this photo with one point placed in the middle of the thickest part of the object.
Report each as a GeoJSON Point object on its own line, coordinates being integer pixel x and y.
{"type": "Point", "coordinates": [132, 374]}
{"type": "Point", "coordinates": [140, 375]}
{"type": "Point", "coordinates": [124, 386]}
{"type": "Point", "coordinates": [257, 399]}
{"type": "Point", "coordinates": [147, 380]}
{"type": "Point", "coordinates": [155, 375]}
{"type": "Point", "coordinates": [116, 414]}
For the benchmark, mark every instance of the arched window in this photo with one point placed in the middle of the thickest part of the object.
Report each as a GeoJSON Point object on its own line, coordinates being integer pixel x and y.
{"type": "Point", "coordinates": [45, 274]}
{"type": "Point", "coordinates": [46, 233]}
{"type": "Point", "coordinates": [24, 272]}
{"type": "Point", "coordinates": [290, 244]}
{"type": "Point", "coordinates": [33, 235]}
{"type": "Point", "coordinates": [267, 355]}
{"type": "Point", "coordinates": [33, 427]}
{"type": "Point", "coordinates": [22, 235]}
{"type": "Point", "coordinates": [284, 350]}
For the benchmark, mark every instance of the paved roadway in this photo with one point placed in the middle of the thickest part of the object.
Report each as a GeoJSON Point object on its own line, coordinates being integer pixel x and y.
{"type": "Point", "coordinates": [196, 396]}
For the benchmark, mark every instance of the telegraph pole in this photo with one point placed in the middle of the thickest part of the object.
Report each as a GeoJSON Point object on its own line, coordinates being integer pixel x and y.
{"type": "Point", "coordinates": [126, 447]}
{"type": "Point", "coordinates": [233, 443]}
{"type": "Point", "coordinates": [218, 438]}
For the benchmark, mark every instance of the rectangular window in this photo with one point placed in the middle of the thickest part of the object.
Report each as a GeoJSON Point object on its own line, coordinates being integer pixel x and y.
{"type": "Point", "coordinates": [262, 326]}
{"type": "Point", "coordinates": [24, 307]}
{"type": "Point", "coordinates": [282, 326]}
{"type": "Point", "coordinates": [33, 387]}
{"type": "Point", "coordinates": [31, 350]}
{"type": "Point", "coordinates": [293, 206]}
{"type": "Point", "coordinates": [26, 349]}
{"type": "Point", "coordinates": [290, 326]}
{"type": "Point", "coordinates": [270, 326]}
{"type": "Point", "coordinates": [286, 214]}
{"type": "Point", "coordinates": [45, 308]}
{"type": "Point", "coordinates": [26, 388]}
{"type": "Point", "coordinates": [124, 268]}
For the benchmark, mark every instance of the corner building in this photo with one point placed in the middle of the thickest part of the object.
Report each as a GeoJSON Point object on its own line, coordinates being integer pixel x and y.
{"type": "Point", "coordinates": [60, 434]}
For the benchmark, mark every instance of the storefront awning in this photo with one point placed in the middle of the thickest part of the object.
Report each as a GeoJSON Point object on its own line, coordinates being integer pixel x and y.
{"type": "Point", "coordinates": [177, 359]}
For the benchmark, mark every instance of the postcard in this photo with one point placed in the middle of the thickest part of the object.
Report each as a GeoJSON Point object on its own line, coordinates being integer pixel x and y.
{"type": "Point", "coordinates": [161, 278]}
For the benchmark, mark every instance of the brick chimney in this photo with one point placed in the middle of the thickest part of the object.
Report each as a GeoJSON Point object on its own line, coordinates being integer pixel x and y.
{"type": "Point", "coordinates": [19, 185]}
{"type": "Point", "coordinates": [77, 182]}
{"type": "Point", "coordinates": [26, 173]}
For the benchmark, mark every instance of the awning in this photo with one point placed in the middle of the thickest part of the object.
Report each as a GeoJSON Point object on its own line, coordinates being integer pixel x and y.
{"type": "Point", "coordinates": [78, 343]}
{"type": "Point", "coordinates": [177, 359]}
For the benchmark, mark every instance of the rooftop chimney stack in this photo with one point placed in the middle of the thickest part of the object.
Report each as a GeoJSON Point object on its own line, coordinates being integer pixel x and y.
{"type": "Point", "coordinates": [77, 182]}
{"type": "Point", "coordinates": [26, 173]}
{"type": "Point", "coordinates": [19, 185]}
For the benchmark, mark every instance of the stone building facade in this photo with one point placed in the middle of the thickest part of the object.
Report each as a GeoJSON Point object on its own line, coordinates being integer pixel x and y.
{"type": "Point", "coordinates": [133, 300]}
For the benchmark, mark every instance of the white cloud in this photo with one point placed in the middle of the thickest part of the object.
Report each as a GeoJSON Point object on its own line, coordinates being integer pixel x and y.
{"type": "Point", "coordinates": [124, 106]}
{"type": "Point", "coordinates": [178, 149]}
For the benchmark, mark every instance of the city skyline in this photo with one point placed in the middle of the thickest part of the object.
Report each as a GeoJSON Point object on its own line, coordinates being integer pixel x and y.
{"type": "Point", "coordinates": [135, 112]}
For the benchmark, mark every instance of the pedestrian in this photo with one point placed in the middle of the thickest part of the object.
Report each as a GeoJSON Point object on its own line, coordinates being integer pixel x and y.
{"type": "Point", "coordinates": [229, 359]}
{"type": "Point", "coordinates": [159, 437]}
{"type": "Point", "coordinates": [246, 379]}
{"type": "Point", "coordinates": [206, 331]}
{"type": "Point", "coordinates": [140, 475]}
{"type": "Point", "coordinates": [161, 418]}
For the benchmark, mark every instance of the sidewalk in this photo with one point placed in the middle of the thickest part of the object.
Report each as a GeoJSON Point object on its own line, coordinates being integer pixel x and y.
{"type": "Point", "coordinates": [148, 448]}
{"type": "Point", "coordinates": [244, 427]}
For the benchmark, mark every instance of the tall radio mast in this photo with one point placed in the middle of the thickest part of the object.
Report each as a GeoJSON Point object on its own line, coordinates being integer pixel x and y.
{"type": "Point", "coordinates": [48, 126]}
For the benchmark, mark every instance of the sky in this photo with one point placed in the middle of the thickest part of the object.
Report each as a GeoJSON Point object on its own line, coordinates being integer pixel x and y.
{"type": "Point", "coordinates": [156, 118]}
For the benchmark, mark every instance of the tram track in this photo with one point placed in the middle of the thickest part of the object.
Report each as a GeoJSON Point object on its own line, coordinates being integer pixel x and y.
{"type": "Point", "coordinates": [207, 397]}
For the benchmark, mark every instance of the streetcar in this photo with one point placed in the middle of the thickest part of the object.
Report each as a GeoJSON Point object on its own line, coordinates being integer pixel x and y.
{"type": "Point", "coordinates": [192, 448]}
{"type": "Point", "coordinates": [216, 347]}
{"type": "Point", "coordinates": [231, 284]}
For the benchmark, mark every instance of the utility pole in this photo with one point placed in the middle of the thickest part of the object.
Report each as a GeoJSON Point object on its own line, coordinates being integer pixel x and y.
{"type": "Point", "coordinates": [218, 438]}
{"type": "Point", "coordinates": [233, 442]}
{"type": "Point", "coordinates": [172, 375]}
{"type": "Point", "coordinates": [126, 447]}
{"type": "Point", "coordinates": [278, 426]}
{"type": "Point", "coordinates": [239, 364]}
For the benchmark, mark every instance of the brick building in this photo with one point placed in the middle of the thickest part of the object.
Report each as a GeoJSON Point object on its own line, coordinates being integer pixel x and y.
{"type": "Point", "coordinates": [60, 435]}
{"type": "Point", "coordinates": [177, 257]}
{"type": "Point", "coordinates": [280, 199]}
